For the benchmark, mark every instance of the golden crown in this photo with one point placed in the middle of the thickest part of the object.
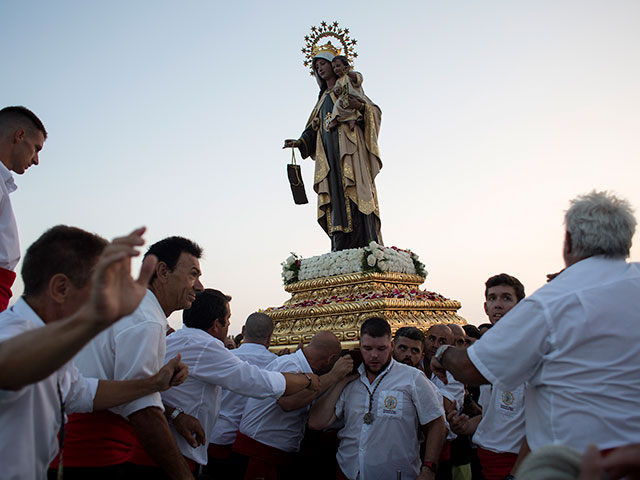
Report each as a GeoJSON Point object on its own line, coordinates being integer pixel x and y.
{"type": "Point", "coordinates": [328, 30]}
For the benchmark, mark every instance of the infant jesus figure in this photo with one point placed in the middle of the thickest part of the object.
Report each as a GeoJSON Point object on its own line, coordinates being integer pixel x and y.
{"type": "Point", "coordinates": [348, 83]}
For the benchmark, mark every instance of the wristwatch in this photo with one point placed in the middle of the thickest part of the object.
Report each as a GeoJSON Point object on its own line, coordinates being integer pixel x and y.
{"type": "Point", "coordinates": [176, 411]}
{"type": "Point", "coordinates": [440, 352]}
{"type": "Point", "coordinates": [433, 466]}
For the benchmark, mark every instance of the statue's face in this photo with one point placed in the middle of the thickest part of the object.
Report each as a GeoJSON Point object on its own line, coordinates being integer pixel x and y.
{"type": "Point", "coordinates": [323, 68]}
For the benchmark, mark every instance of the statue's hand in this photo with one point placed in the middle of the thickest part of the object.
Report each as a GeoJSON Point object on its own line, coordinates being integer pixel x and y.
{"type": "Point", "coordinates": [291, 143]}
{"type": "Point", "coordinates": [355, 103]}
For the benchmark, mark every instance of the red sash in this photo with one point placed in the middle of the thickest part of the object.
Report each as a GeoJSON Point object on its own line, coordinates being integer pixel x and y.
{"type": "Point", "coordinates": [100, 439]}
{"type": "Point", "coordinates": [445, 454]}
{"type": "Point", "coordinates": [221, 452]}
{"type": "Point", "coordinates": [264, 460]}
{"type": "Point", "coordinates": [7, 277]}
{"type": "Point", "coordinates": [496, 466]}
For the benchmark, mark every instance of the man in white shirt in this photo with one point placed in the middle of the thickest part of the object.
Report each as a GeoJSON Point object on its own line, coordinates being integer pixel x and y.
{"type": "Point", "coordinates": [383, 407]}
{"type": "Point", "coordinates": [212, 366]}
{"type": "Point", "coordinates": [57, 272]}
{"type": "Point", "coordinates": [271, 430]}
{"type": "Point", "coordinates": [22, 136]}
{"type": "Point", "coordinates": [499, 431]}
{"type": "Point", "coordinates": [256, 333]}
{"type": "Point", "coordinates": [134, 439]}
{"type": "Point", "coordinates": [575, 341]}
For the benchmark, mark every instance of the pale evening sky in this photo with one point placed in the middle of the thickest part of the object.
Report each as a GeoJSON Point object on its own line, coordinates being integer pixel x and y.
{"type": "Point", "coordinates": [172, 115]}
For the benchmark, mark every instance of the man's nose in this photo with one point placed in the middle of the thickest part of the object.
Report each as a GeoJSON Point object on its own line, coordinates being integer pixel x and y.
{"type": "Point", "coordinates": [198, 287]}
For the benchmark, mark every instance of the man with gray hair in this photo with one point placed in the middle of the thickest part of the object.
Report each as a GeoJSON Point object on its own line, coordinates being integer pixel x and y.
{"type": "Point", "coordinates": [256, 334]}
{"type": "Point", "coordinates": [575, 341]}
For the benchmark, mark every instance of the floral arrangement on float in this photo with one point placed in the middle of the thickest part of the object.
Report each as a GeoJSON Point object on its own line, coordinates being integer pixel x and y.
{"type": "Point", "coordinates": [372, 258]}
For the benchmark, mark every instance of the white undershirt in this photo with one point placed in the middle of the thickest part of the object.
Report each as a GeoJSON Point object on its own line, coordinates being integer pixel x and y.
{"type": "Point", "coordinates": [9, 240]}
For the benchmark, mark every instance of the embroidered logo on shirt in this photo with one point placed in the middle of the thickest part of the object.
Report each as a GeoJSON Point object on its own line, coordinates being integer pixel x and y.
{"type": "Point", "coordinates": [390, 403]}
{"type": "Point", "coordinates": [507, 401]}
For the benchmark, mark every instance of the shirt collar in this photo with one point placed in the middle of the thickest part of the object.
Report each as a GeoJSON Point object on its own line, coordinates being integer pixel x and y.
{"type": "Point", "coordinates": [250, 346]}
{"type": "Point", "coordinates": [363, 372]}
{"type": "Point", "coordinates": [7, 178]}
{"type": "Point", "coordinates": [22, 309]}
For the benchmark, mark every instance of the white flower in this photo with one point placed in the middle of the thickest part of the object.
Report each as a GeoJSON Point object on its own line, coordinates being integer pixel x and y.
{"type": "Point", "coordinates": [379, 254]}
{"type": "Point", "coordinates": [371, 260]}
{"type": "Point", "coordinates": [291, 260]}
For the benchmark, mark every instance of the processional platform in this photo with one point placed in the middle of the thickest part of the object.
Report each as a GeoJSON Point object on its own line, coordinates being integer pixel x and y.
{"type": "Point", "coordinates": [341, 303]}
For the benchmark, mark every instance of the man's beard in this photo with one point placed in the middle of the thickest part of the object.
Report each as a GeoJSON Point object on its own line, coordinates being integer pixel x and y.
{"type": "Point", "coordinates": [379, 369]}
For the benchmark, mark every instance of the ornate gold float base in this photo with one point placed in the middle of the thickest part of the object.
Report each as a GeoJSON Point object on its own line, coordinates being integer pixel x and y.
{"type": "Point", "coordinates": [342, 303]}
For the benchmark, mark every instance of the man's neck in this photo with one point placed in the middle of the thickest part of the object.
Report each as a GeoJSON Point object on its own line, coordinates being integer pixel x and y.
{"type": "Point", "coordinates": [161, 300]}
{"type": "Point", "coordinates": [371, 376]}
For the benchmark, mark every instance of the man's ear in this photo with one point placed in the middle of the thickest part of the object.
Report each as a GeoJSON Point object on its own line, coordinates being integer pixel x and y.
{"type": "Point", "coordinates": [568, 247]}
{"type": "Point", "coordinates": [485, 308]}
{"type": "Point", "coordinates": [59, 287]}
{"type": "Point", "coordinates": [162, 271]}
{"type": "Point", "coordinates": [18, 135]}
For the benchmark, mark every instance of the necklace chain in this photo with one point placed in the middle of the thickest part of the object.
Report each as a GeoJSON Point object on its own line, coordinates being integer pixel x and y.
{"type": "Point", "coordinates": [369, 415]}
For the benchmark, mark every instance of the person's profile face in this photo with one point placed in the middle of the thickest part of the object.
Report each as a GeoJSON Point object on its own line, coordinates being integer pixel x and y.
{"type": "Point", "coordinates": [27, 150]}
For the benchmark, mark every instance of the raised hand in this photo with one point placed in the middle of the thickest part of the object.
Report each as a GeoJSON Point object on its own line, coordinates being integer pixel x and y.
{"type": "Point", "coordinates": [114, 293]}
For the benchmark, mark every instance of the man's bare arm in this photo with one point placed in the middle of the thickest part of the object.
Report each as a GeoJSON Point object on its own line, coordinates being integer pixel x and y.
{"type": "Point", "coordinates": [323, 412]}
{"type": "Point", "coordinates": [36, 354]}
{"type": "Point", "coordinates": [111, 393]}
{"type": "Point", "coordinates": [458, 363]}
{"type": "Point", "coordinates": [303, 398]}
{"type": "Point", "coordinates": [435, 432]}
{"type": "Point", "coordinates": [153, 433]}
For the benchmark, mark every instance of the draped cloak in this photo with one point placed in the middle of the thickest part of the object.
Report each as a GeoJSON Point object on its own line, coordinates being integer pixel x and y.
{"type": "Point", "coordinates": [347, 162]}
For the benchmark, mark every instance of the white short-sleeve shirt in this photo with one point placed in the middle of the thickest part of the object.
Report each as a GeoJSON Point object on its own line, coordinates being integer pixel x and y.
{"type": "Point", "coordinates": [576, 342]}
{"type": "Point", "coordinates": [264, 420]}
{"type": "Point", "coordinates": [133, 347]}
{"type": "Point", "coordinates": [30, 417]}
{"type": "Point", "coordinates": [501, 429]}
{"type": "Point", "coordinates": [403, 401]}
{"type": "Point", "coordinates": [9, 241]}
{"type": "Point", "coordinates": [232, 404]}
{"type": "Point", "coordinates": [211, 367]}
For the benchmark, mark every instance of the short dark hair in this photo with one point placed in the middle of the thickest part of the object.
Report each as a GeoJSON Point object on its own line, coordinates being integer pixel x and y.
{"type": "Point", "coordinates": [484, 325]}
{"type": "Point", "coordinates": [472, 331]}
{"type": "Point", "coordinates": [504, 279]}
{"type": "Point", "coordinates": [168, 251]}
{"type": "Point", "coordinates": [19, 114]}
{"type": "Point", "coordinates": [61, 249]}
{"type": "Point", "coordinates": [343, 59]}
{"type": "Point", "coordinates": [210, 305]}
{"type": "Point", "coordinates": [411, 333]}
{"type": "Point", "coordinates": [375, 327]}
{"type": "Point", "coordinates": [258, 327]}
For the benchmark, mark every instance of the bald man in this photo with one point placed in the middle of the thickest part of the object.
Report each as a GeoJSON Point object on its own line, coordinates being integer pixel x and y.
{"type": "Point", "coordinates": [459, 335]}
{"type": "Point", "coordinates": [271, 430]}
{"type": "Point", "coordinates": [256, 333]}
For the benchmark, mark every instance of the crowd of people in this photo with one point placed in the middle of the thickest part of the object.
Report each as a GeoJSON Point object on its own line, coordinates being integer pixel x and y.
{"type": "Point", "coordinates": [94, 384]}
